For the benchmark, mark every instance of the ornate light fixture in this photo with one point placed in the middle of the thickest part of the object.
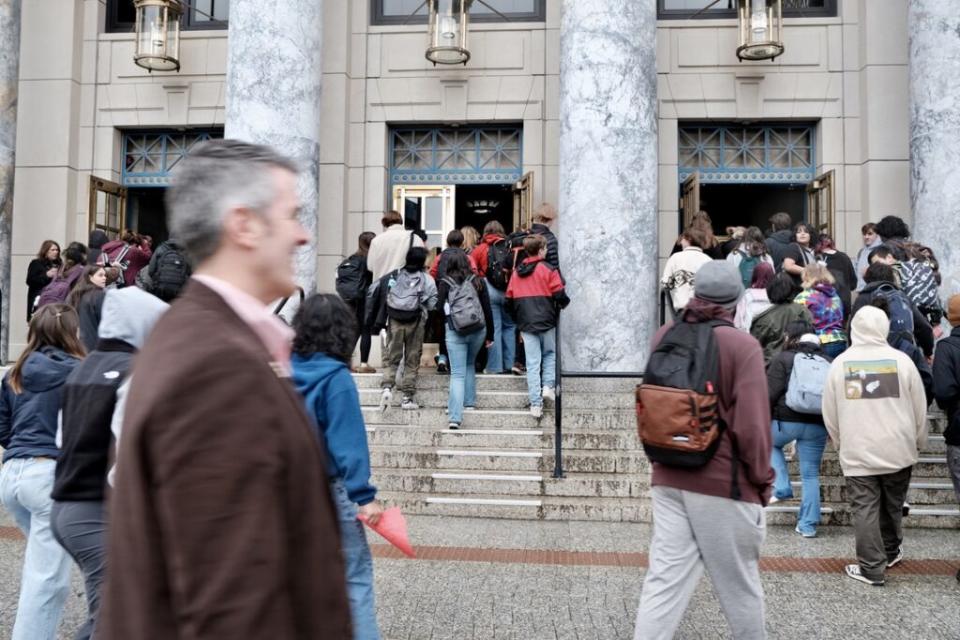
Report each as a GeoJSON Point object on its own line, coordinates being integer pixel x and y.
{"type": "Point", "coordinates": [761, 29]}
{"type": "Point", "coordinates": [482, 207]}
{"type": "Point", "coordinates": [158, 34]}
{"type": "Point", "coordinates": [447, 28]}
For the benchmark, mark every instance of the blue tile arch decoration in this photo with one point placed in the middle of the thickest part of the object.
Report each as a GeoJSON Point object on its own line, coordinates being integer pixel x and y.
{"type": "Point", "coordinates": [481, 154]}
{"type": "Point", "coordinates": [771, 153]}
{"type": "Point", "coordinates": [149, 157]}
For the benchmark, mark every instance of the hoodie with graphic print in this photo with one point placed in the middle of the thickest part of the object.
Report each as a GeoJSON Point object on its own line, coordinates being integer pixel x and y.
{"type": "Point", "coordinates": [874, 406]}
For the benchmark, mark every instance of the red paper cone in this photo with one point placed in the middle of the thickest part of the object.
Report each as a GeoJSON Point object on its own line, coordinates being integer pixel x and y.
{"type": "Point", "coordinates": [392, 526]}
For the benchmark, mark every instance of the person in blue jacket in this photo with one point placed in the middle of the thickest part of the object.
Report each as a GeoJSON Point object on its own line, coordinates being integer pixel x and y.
{"type": "Point", "coordinates": [326, 332]}
{"type": "Point", "coordinates": [30, 400]}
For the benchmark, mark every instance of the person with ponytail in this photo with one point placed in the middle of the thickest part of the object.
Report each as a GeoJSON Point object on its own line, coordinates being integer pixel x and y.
{"type": "Point", "coordinates": [30, 401]}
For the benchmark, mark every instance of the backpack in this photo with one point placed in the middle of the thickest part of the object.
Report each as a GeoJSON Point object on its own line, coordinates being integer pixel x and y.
{"type": "Point", "coordinates": [117, 262]}
{"type": "Point", "coordinates": [168, 271]}
{"type": "Point", "coordinates": [747, 264]}
{"type": "Point", "coordinates": [463, 306]}
{"type": "Point", "coordinates": [405, 296]}
{"type": "Point", "coordinates": [901, 313]}
{"type": "Point", "coordinates": [500, 263]}
{"type": "Point", "coordinates": [352, 279]}
{"type": "Point", "coordinates": [807, 380]}
{"type": "Point", "coordinates": [677, 415]}
{"type": "Point", "coordinates": [919, 283]}
{"type": "Point", "coordinates": [56, 290]}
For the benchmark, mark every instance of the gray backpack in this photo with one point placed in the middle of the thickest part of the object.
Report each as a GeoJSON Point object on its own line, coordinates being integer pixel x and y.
{"type": "Point", "coordinates": [807, 380]}
{"type": "Point", "coordinates": [463, 306]}
{"type": "Point", "coordinates": [406, 295]}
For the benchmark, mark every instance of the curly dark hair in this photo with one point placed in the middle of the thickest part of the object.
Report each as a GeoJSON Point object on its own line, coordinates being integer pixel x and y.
{"type": "Point", "coordinates": [892, 227]}
{"type": "Point", "coordinates": [782, 289]}
{"type": "Point", "coordinates": [325, 324]}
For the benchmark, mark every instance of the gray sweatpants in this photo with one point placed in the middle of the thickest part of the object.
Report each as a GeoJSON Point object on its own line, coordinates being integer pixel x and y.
{"type": "Point", "coordinates": [953, 463]}
{"type": "Point", "coordinates": [80, 528]}
{"type": "Point", "coordinates": [692, 531]}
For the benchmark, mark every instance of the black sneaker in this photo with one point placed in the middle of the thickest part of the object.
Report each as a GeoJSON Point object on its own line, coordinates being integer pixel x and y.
{"type": "Point", "coordinates": [442, 367]}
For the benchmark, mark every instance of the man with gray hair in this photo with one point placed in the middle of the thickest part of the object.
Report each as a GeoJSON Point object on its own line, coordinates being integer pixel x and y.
{"type": "Point", "coordinates": [222, 524]}
{"type": "Point", "coordinates": [711, 517]}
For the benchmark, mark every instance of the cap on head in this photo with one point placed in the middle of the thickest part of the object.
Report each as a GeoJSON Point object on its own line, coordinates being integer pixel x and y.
{"type": "Point", "coordinates": [718, 281]}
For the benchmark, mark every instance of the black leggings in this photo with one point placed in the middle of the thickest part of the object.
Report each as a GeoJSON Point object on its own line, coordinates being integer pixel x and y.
{"type": "Point", "coordinates": [364, 333]}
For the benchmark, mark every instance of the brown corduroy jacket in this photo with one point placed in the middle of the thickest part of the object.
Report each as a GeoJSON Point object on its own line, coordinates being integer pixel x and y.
{"type": "Point", "coordinates": [221, 522]}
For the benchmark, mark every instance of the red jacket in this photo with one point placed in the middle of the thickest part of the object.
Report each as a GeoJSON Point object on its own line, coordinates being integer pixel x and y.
{"type": "Point", "coordinates": [535, 295]}
{"type": "Point", "coordinates": [137, 257]}
{"type": "Point", "coordinates": [437, 270]}
{"type": "Point", "coordinates": [481, 253]}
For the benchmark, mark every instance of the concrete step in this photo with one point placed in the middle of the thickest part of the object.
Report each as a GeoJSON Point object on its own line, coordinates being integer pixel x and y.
{"type": "Point", "coordinates": [429, 458]}
{"type": "Point", "coordinates": [479, 419]}
{"type": "Point", "coordinates": [498, 438]}
{"type": "Point", "coordinates": [923, 491]}
{"type": "Point", "coordinates": [529, 484]}
{"type": "Point", "coordinates": [508, 399]}
{"type": "Point", "coordinates": [927, 467]}
{"type": "Point", "coordinates": [432, 381]}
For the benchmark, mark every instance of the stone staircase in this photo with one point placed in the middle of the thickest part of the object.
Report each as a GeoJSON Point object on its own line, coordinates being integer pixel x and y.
{"type": "Point", "coordinates": [500, 463]}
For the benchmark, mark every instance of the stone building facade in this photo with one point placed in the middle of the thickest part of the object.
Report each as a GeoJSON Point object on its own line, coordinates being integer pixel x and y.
{"type": "Point", "coordinates": [837, 103]}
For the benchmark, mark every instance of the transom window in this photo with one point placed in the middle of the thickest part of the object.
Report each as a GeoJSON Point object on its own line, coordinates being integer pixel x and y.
{"type": "Point", "coordinates": [456, 155]}
{"type": "Point", "coordinates": [121, 15]}
{"type": "Point", "coordinates": [728, 8]}
{"type": "Point", "coordinates": [399, 11]}
{"type": "Point", "coordinates": [734, 153]}
{"type": "Point", "coordinates": [149, 157]}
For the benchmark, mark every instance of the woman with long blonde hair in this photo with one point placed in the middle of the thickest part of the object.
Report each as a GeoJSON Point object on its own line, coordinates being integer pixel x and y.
{"type": "Point", "coordinates": [30, 401]}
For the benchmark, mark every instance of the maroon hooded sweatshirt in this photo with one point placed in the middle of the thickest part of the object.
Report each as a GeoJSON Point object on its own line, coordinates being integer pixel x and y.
{"type": "Point", "coordinates": [744, 407]}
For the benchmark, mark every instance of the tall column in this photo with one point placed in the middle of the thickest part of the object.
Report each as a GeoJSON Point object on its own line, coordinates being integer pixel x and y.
{"type": "Point", "coordinates": [9, 73]}
{"type": "Point", "coordinates": [608, 183]}
{"type": "Point", "coordinates": [935, 131]}
{"type": "Point", "coordinates": [273, 95]}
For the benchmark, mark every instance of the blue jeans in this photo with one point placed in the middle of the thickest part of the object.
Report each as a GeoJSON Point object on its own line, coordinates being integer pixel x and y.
{"type": "Point", "coordinates": [541, 349]}
{"type": "Point", "coordinates": [463, 352]}
{"type": "Point", "coordinates": [358, 563]}
{"type": "Point", "coordinates": [811, 440]}
{"type": "Point", "coordinates": [25, 486]}
{"type": "Point", "coordinates": [501, 353]}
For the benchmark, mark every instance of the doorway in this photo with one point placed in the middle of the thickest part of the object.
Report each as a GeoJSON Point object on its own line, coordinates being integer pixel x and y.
{"type": "Point", "coordinates": [476, 205]}
{"type": "Point", "coordinates": [147, 213]}
{"type": "Point", "coordinates": [751, 205]}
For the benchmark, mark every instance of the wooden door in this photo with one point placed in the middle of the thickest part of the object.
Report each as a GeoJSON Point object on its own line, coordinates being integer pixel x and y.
{"type": "Point", "coordinates": [108, 207]}
{"type": "Point", "coordinates": [821, 203]}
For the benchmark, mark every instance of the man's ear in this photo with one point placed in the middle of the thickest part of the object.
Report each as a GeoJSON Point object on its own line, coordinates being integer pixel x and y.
{"type": "Point", "coordinates": [243, 228]}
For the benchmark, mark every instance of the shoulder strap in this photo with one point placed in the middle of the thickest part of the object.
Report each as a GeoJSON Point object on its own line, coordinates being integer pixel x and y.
{"type": "Point", "coordinates": [410, 246]}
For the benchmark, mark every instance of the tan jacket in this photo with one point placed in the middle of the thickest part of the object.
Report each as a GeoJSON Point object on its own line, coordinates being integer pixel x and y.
{"type": "Point", "coordinates": [221, 524]}
{"type": "Point", "coordinates": [874, 406]}
{"type": "Point", "coordinates": [388, 251]}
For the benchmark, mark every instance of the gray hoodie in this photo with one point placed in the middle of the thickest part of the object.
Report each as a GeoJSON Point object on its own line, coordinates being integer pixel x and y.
{"type": "Point", "coordinates": [129, 314]}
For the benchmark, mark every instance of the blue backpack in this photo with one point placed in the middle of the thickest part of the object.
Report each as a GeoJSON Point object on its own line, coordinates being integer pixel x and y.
{"type": "Point", "coordinates": [807, 380]}
{"type": "Point", "coordinates": [901, 312]}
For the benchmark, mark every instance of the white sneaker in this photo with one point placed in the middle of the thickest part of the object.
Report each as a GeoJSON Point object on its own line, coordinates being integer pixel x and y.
{"type": "Point", "coordinates": [469, 409]}
{"type": "Point", "coordinates": [536, 411]}
{"type": "Point", "coordinates": [549, 393]}
{"type": "Point", "coordinates": [773, 500]}
{"type": "Point", "coordinates": [897, 560]}
{"type": "Point", "coordinates": [385, 397]}
{"type": "Point", "coordinates": [408, 404]}
{"type": "Point", "coordinates": [853, 571]}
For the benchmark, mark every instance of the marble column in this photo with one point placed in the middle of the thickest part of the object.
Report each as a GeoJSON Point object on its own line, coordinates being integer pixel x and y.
{"type": "Point", "coordinates": [9, 73]}
{"type": "Point", "coordinates": [273, 95]}
{"type": "Point", "coordinates": [608, 183]}
{"type": "Point", "coordinates": [934, 28]}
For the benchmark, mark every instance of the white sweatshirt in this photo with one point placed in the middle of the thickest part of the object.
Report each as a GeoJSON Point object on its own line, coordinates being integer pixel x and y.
{"type": "Point", "coordinates": [679, 272]}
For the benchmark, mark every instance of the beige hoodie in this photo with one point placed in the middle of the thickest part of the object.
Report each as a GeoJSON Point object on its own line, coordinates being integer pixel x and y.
{"type": "Point", "coordinates": [874, 406]}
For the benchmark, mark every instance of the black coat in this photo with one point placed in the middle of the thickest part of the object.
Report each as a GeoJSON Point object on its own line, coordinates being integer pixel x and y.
{"type": "Point", "coordinates": [946, 384]}
{"type": "Point", "coordinates": [37, 279]}
{"type": "Point", "coordinates": [922, 331]}
{"type": "Point", "coordinates": [553, 246]}
{"type": "Point", "coordinates": [778, 378]}
{"type": "Point", "coordinates": [778, 244]}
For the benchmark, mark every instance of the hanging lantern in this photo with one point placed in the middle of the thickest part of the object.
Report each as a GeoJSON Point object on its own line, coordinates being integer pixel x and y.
{"type": "Point", "coordinates": [158, 34]}
{"type": "Point", "coordinates": [761, 29]}
{"type": "Point", "coordinates": [447, 29]}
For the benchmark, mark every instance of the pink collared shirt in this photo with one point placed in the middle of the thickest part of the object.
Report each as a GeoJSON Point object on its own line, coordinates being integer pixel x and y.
{"type": "Point", "coordinates": [272, 331]}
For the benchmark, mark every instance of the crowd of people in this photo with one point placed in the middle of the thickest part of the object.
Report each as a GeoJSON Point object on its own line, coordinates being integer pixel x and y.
{"type": "Point", "coordinates": [486, 301]}
{"type": "Point", "coordinates": [849, 351]}
{"type": "Point", "coordinates": [117, 459]}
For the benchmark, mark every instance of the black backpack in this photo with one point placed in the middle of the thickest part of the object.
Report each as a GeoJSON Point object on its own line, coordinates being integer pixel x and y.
{"type": "Point", "coordinates": [678, 403]}
{"type": "Point", "coordinates": [352, 279]}
{"type": "Point", "coordinates": [500, 263]}
{"type": "Point", "coordinates": [169, 271]}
